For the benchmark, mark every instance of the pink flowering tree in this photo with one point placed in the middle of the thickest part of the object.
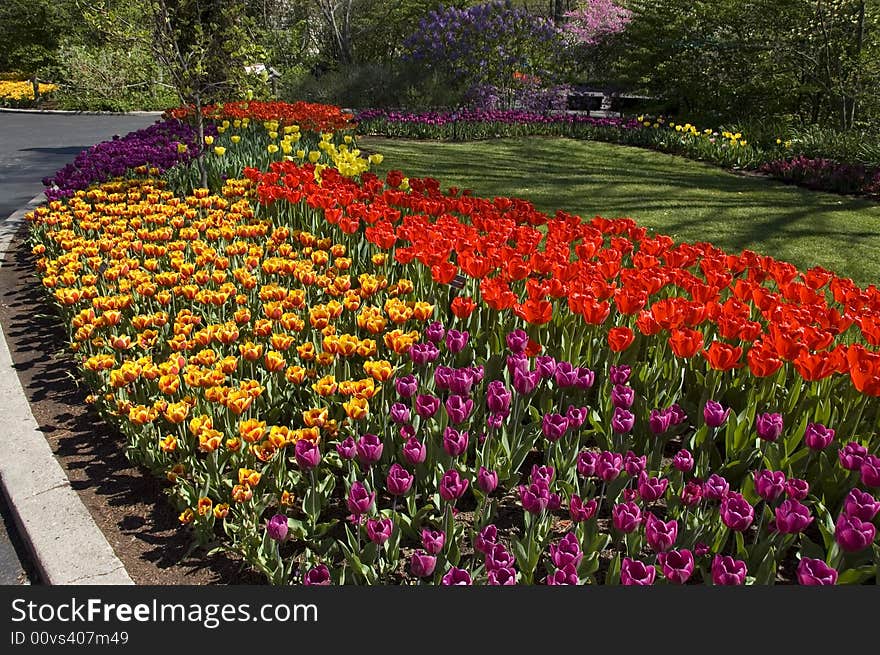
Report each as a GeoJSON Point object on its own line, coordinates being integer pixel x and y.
{"type": "Point", "coordinates": [595, 19]}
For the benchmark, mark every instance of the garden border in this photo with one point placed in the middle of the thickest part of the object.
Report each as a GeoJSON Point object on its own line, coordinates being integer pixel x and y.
{"type": "Point", "coordinates": [79, 112]}
{"type": "Point", "coordinates": [66, 543]}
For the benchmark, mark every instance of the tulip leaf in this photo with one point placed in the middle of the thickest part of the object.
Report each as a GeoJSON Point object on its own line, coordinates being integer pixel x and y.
{"type": "Point", "coordinates": [856, 575]}
{"type": "Point", "coordinates": [612, 577]}
{"type": "Point", "coordinates": [766, 573]}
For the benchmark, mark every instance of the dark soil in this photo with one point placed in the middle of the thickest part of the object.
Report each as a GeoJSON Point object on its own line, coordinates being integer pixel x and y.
{"type": "Point", "coordinates": [126, 502]}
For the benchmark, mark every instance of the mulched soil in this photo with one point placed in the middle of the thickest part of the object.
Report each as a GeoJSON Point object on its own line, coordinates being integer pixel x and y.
{"type": "Point", "coordinates": [126, 502]}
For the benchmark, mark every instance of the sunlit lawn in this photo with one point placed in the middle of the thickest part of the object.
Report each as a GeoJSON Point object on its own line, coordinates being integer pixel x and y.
{"type": "Point", "coordinates": [688, 200]}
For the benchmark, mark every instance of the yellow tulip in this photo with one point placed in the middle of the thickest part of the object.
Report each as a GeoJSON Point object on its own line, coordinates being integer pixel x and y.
{"type": "Point", "coordinates": [209, 140]}
{"type": "Point", "coordinates": [219, 151]}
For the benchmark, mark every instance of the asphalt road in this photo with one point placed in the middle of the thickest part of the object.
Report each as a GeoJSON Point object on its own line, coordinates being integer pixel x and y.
{"type": "Point", "coordinates": [33, 146]}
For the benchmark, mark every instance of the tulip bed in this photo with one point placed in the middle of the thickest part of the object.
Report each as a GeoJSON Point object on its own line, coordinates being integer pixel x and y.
{"type": "Point", "coordinates": [349, 379]}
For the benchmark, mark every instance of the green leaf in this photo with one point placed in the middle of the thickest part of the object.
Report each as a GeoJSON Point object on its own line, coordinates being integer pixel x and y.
{"type": "Point", "coordinates": [612, 578]}
{"type": "Point", "coordinates": [857, 575]}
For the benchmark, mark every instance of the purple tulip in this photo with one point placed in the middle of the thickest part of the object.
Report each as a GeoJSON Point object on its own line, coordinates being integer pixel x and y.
{"type": "Point", "coordinates": [659, 421]}
{"type": "Point", "coordinates": [622, 396]}
{"type": "Point", "coordinates": [769, 426]}
{"type": "Point", "coordinates": [486, 539]}
{"type": "Point", "coordinates": [369, 449]}
{"type": "Point", "coordinates": [692, 493]}
{"type": "Point", "coordinates": [701, 549]}
{"type": "Point", "coordinates": [422, 354]}
{"type": "Point", "coordinates": [619, 374]}
{"type": "Point", "coordinates": [677, 565]}
{"type": "Point", "coordinates": [861, 504]}
{"type": "Point", "coordinates": [379, 530]}
{"type": "Point", "coordinates": [499, 557]}
{"type": "Point", "coordinates": [769, 485]}
{"type": "Point", "coordinates": [586, 463]}
{"type": "Point", "coordinates": [715, 414]}
{"type": "Point", "coordinates": [517, 341]}
{"type": "Point", "coordinates": [406, 386]}
{"type": "Point", "coordinates": [524, 382]}
{"type": "Point", "coordinates": [660, 536]}
{"type": "Point", "coordinates": [456, 341]}
{"type": "Point", "coordinates": [456, 577]}
{"type": "Point", "coordinates": [435, 332]}
{"type": "Point", "coordinates": [534, 497]}
{"type": "Point", "coordinates": [498, 398]}
{"type": "Point", "coordinates": [477, 373]}
{"type": "Point", "coordinates": [501, 577]}
{"type": "Point", "coordinates": [427, 405]}
{"type": "Point", "coordinates": [635, 573]}
{"type": "Point", "coordinates": [797, 489]}
{"type": "Point", "coordinates": [359, 499]}
{"type": "Point", "coordinates": [852, 456]}
{"type": "Point", "coordinates": [728, 571]}
{"type": "Point", "coordinates": [870, 470]}
{"type": "Point", "coordinates": [580, 511]}
{"type": "Point", "coordinates": [609, 465]}
{"type": "Point", "coordinates": [407, 431]}
{"type": "Point", "coordinates": [576, 416]}
{"type": "Point", "coordinates": [347, 448]}
{"type": "Point", "coordinates": [633, 464]}
{"type": "Point", "coordinates": [546, 365]}
{"type": "Point", "coordinates": [585, 378]}
{"type": "Point", "coordinates": [487, 480]}
{"type": "Point", "coordinates": [563, 576]}
{"type": "Point", "coordinates": [432, 541]}
{"type": "Point", "coordinates": [626, 517]}
{"type": "Point", "coordinates": [677, 413]}
{"type": "Point", "coordinates": [853, 534]}
{"type": "Point", "coordinates": [421, 564]}
{"type": "Point", "coordinates": [277, 527]}
{"type": "Point", "coordinates": [517, 363]}
{"type": "Point", "coordinates": [542, 474]}
{"type": "Point", "coordinates": [452, 486]}
{"type": "Point", "coordinates": [554, 427]}
{"type": "Point", "coordinates": [443, 377]}
{"type": "Point", "coordinates": [622, 420]}
{"type": "Point", "coordinates": [414, 451]}
{"type": "Point", "coordinates": [454, 442]}
{"type": "Point", "coordinates": [651, 489]}
{"type": "Point", "coordinates": [566, 552]}
{"type": "Point", "coordinates": [318, 576]}
{"type": "Point", "coordinates": [565, 375]}
{"type": "Point", "coordinates": [459, 408]}
{"type": "Point", "coordinates": [461, 382]}
{"type": "Point", "coordinates": [817, 436]}
{"type": "Point", "coordinates": [683, 461]}
{"type": "Point", "coordinates": [399, 480]}
{"type": "Point", "coordinates": [399, 413]}
{"type": "Point", "coordinates": [815, 572]}
{"type": "Point", "coordinates": [736, 512]}
{"type": "Point", "coordinates": [792, 517]}
{"type": "Point", "coordinates": [495, 421]}
{"type": "Point", "coordinates": [307, 454]}
{"type": "Point", "coordinates": [716, 487]}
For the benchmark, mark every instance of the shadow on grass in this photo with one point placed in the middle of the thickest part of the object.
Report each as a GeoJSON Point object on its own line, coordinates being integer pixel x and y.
{"type": "Point", "coordinates": [689, 200]}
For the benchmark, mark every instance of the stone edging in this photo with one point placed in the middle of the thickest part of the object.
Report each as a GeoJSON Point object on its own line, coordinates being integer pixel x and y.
{"type": "Point", "coordinates": [66, 543]}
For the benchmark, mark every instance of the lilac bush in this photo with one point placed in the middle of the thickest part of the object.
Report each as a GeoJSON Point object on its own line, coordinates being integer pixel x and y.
{"type": "Point", "coordinates": [487, 49]}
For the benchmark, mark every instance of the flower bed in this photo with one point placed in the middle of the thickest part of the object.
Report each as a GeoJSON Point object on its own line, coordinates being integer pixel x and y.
{"type": "Point", "coordinates": [354, 380]}
{"type": "Point", "coordinates": [721, 147]}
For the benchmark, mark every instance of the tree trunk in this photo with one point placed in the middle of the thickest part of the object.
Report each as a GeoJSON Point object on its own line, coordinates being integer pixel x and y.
{"type": "Point", "coordinates": [200, 130]}
{"type": "Point", "coordinates": [36, 84]}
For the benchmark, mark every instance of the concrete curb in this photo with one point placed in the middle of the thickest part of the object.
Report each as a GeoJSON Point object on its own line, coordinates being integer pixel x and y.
{"type": "Point", "coordinates": [67, 546]}
{"type": "Point", "coordinates": [68, 112]}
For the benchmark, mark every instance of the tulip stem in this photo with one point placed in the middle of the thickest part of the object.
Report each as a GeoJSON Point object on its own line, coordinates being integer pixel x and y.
{"type": "Point", "coordinates": [601, 498]}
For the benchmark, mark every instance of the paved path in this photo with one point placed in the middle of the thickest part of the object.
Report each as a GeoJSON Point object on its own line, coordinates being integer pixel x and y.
{"type": "Point", "coordinates": [33, 146]}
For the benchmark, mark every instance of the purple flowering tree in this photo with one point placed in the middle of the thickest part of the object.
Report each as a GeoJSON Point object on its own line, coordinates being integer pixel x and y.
{"type": "Point", "coordinates": [489, 50]}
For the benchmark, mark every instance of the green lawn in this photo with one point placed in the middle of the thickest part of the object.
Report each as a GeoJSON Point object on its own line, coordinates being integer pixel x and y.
{"type": "Point", "coordinates": [688, 200]}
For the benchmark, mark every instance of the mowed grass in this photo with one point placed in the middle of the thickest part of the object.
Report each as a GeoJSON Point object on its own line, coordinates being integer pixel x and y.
{"type": "Point", "coordinates": [687, 200]}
